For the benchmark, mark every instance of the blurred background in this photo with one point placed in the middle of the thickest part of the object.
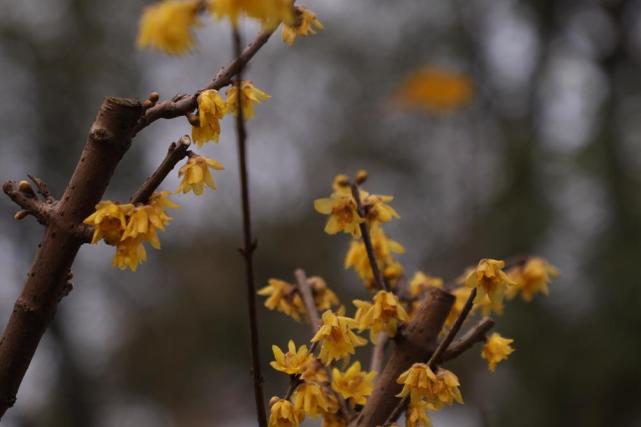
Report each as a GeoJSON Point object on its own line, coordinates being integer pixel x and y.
{"type": "Point", "coordinates": [543, 157]}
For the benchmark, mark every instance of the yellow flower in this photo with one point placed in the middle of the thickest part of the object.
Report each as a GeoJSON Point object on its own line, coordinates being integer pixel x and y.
{"type": "Point", "coordinates": [337, 338]}
{"type": "Point", "coordinates": [416, 414]}
{"type": "Point", "coordinates": [343, 216]}
{"type": "Point", "coordinates": [381, 316]}
{"type": "Point", "coordinates": [496, 349]}
{"type": "Point", "coordinates": [283, 297]}
{"type": "Point", "coordinates": [384, 247]}
{"type": "Point", "coordinates": [292, 362]}
{"type": "Point", "coordinates": [283, 414]}
{"type": "Point", "coordinates": [310, 399]}
{"type": "Point", "coordinates": [168, 26]}
{"type": "Point", "coordinates": [211, 108]}
{"type": "Point", "coordinates": [129, 253]}
{"type": "Point", "coordinates": [109, 221]}
{"type": "Point", "coordinates": [195, 174]}
{"type": "Point", "coordinates": [421, 282]}
{"type": "Point", "coordinates": [418, 382]}
{"type": "Point", "coordinates": [446, 389]}
{"type": "Point", "coordinates": [268, 12]}
{"type": "Point", "coordinates": [250, 95]}
{"type": "Point", "coordinates": [315, 372]}
{"type": "Point", "coordinates": [304, 24]}
{"type": "Point", "coordinates": [393, 273]}
{"type": "Point", "coordinates": [145, 220]}
{"type": "Point", "coordinates": [491, 281]}
{"type": "Point", "coordinates": [532, 278]}
{"type": "Point", "coordinates": [333, 420]}
{"type": "Point", "coordinates": [376, 208]}
{"type": "Point", "coordinates": [324, 297]}
{"type": "Point", "coordinates": [436, 90]}
{"type": "Point", "coordinates": [353, 384]}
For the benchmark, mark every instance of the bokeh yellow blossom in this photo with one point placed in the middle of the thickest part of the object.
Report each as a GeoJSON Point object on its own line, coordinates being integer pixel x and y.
{"type": "Point", "coordinates": [168, 26]}
{"type": "Point", "coordinates": [531, 278]}
{"type": "Point", "coordinates": [435, 90]}
{"type": "Point", "coordinates": [496, 349]}
{"type": "Point", "coordinates": [269, 12]}
{"type": "Point", "coordinates": [420, 282]}
{"type": "Point", "coordinates": [324, 297]}
{"type": "Point", "coordinates": [304, 24]}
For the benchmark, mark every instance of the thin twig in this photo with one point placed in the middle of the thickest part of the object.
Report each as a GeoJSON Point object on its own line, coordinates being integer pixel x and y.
{"type": "Point", "coordinates": [308, 298]}
{"type": "Point", "coordinates": [42, 211]}
{"type": "Point", "coordinates": [180, 106]}
{"type": "Point", "coordinates": [371, 255]}
{"type": "Point", "coordinates": [176, 152]}
{"type": "Point", "coordinates": [249, 243]}
{"type": "Point", "coordinates": [442, 347]}
{"type": "Point", "coordinates": [474, 335]}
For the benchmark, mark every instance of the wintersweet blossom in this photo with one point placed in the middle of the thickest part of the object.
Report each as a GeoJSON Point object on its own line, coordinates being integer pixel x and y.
{"type": "Point", "coordinates": [130, 252]}
{"type": "Point", "coordinates": [250, 96]}
{"type": "Point", "coordinates": [418, 382]}
{"type": "Point", "coordinates": [416, 414]}
{"type": "Point", "coordinates": [304, 24]}
{"type": "Point", "coordinates": [292, 362]}
{"type": "Point", "coordinates": [324, 297]}
{"type": "Point", "coordinates": [377, 209]}
{"type": "Point", "coordinates": [343, 215]}
{"type": "Point", "coordinates": [491, 281]}
{"type": "Point", "coordinates": [211, 109]}
{"type": "Point", "coordinates": [168, 26]}
{"type": "Point", "coordinates": [353, 384]}
{"type": "Point", "coordinates": [268, 12]}
{"type": "Point", "coordinates": [284, 414]}
{"type": "Point", "coordinates": [382, 315]}
{"type": "Point", "coordinates": [195, 174]}
{"type": "Point", "coordinates": [283, 297]}
{"type": "Point", "coordinates": [146, 219]}
{"type": "Point", "coordinates": [337, 339]}
{"type": "Point", "coordinates": [496, 349]}
{"type": "Point", "coordinates": [531, 278]}
{"type": "Point", "coordinates": [333, 420]}
{"type": "Point", "coordinates": [310, 398]}
{"type": "Point", "coordinates": [446, 389]}
{"type": "Point", "coordinates": [109, 221]}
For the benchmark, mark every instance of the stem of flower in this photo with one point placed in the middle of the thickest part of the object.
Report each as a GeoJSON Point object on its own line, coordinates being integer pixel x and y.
{"type": "Point", "coordinates": [249, 244]}
{"type": "Point", "coordinates": [381, 283]}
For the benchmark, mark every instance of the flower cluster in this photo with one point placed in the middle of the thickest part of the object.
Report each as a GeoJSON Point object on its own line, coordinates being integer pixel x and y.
{"type": "Point", "coordinates": [438, 389]}
{"type": "Point", "coordinates": [338, 341]}
{"type": "Point", "coordinates": [127, 226]}
{"type": "Point", "coordinates": [168, 25]}
{"type": "Point", "coordinates": [382, 315]}
{"type": "Point", "coordinates": [496, 349]}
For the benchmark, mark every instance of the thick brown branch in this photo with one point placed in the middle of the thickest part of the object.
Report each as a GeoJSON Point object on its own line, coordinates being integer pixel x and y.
{"type": "Point", "coordinates": [180, 106]}
{"type": "Point", "coordinates": [42, 211]}
{"type": "Point", "coordinates": [109, 139]}
{"type": "Point", "coordinates": [437, 354]}
{"type": "Point", "coordinates": [420, 336]}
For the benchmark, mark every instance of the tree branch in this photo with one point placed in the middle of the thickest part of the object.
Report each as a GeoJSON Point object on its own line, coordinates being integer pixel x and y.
{"type": "Point", "coordinates": [308, 298]}
{"type": "Point", "coordinates": [378, 353]}
{"type": "Point", "coordinates": [381, 283]}
{"type": "Point", "coordinates": [182, 105]}
{"type": "Point", "coordinates": [420, 335]}
{"type": "Point", "coordinates": [176, 152]}
{"type": "Point", "coordinates": [46, 284]}
{"type": "Point", "coordinates": [28, 201]}
{"type": "Point", "coordinates": [248, 240]}
{"type": "Point", "coordinates": [474, 335]}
